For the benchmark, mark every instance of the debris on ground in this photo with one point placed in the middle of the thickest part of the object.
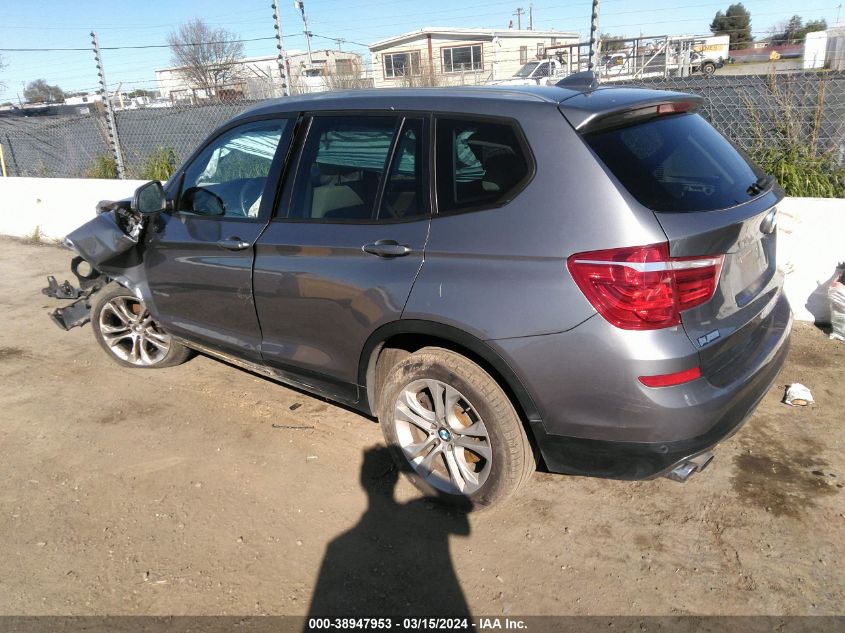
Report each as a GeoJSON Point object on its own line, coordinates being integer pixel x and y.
{"type": "Point", "coordinates": [836, 295]}
{"type": "Point", "coordinates": [797, 395]}
{"type": "Point", "coordinates": [293, 427]}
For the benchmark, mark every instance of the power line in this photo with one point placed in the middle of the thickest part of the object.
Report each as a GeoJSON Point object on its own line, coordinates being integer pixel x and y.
{"type": "Point", "coordinates": [123, 48]}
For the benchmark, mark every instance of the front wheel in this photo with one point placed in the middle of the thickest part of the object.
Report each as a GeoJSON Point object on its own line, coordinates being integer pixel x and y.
{"type": "Point", "coordinates": [125, 330]}
{"type": "Point", "coordinates": [708, 68]}
{"type": "Point", "coordinates": [453, 430]}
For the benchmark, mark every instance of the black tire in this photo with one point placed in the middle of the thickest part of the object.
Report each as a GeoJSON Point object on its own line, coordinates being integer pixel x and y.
{"type": "Point", "coordinates": [122, 349]}
{"type": "Point", "coordinates": [512, 458]}
{"type": "Point", "coordinates": [708, 68]}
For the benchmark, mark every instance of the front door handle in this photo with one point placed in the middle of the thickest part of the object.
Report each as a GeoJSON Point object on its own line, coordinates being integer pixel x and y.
{"type": "Point", "coordinates": [387, 248]}
{"type": "Point", "coordinates": [233, 244]}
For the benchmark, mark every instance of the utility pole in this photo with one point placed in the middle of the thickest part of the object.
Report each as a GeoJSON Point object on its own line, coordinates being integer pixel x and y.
{"type": "Point", "coordinates": [594, 36]}
{"type": "Point", "coordinates": [300, 4]}
{"type": "Point", "coordinates": [114, 141]}
{"type": "Point", "coordinates": [518, 13]}
{"type": "Point", "coordinates": [531, 17]}
{"type": "Point", "coordinates": [339, 41]}
{"type": "Point", "coordinates": [282, 58]}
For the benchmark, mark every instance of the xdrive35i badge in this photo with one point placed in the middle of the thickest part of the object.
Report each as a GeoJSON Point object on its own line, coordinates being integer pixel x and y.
{"type": "Point", "coordinates": [708, 338]}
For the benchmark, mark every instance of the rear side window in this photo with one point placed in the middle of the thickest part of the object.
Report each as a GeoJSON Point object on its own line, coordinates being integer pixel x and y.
{"type": "Point", "coordinates": [676, 164]}
{"type": "Point", "coordinates": [479, 164]}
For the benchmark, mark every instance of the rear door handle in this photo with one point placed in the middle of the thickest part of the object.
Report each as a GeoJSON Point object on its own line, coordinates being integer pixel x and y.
{"type": "Point", "coordinates": [233, 244]}
{"type": "Point", "coordinates": [387, 248]}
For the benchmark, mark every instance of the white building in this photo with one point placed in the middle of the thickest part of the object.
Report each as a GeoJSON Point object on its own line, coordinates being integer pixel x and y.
{"type": "Point", "coordinates": [91, 97]}
{"type": "Point", "coordinates": [261, 78]}
{"type": "Point", "coordinates": [450, 56]}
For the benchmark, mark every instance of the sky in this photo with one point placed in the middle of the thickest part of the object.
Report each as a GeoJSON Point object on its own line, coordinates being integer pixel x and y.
{"type": "Point", "coordinates": [66, 24]}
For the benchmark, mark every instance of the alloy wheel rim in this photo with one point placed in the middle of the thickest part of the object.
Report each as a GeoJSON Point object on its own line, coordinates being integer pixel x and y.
{"type": "Point", "coordinates": [443, 437]}
{"type": "Point", "coordinates": [130, 332]}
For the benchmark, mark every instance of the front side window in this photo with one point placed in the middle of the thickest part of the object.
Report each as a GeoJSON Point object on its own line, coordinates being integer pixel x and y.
{"type": "Point", "coordinates": [228, 177]}
{"type": "Point", "coordinates": [401, 64]}
{"type": "Point", "coordinates": [344, 162]}
{"type": "Point", "coordinates": [460, 58]}
{"type": "Point", "coordinates": [479, 164]}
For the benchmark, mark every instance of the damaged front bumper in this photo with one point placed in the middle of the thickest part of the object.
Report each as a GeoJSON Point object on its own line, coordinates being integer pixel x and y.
{"type": "Point", "coordinates": [113, 231]}
{"type": "Point", "coordinates": [79, 312]}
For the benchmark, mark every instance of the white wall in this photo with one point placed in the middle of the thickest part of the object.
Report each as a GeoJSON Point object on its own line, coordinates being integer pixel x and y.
{"type": "Point", "coordinates": [815, 49]}
{"type": "Point", "coordinates": [811, 241]}
{"type": "Point", "coordinates": [57, 205]}
{"type": "Point", "coordinates": [811, 231]}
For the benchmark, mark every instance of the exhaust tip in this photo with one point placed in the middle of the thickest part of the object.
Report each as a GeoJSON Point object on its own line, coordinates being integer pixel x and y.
{"type": "Point", "coordinates": [685, 469]}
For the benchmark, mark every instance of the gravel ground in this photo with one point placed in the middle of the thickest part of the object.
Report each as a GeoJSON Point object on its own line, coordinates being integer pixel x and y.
{"type": "Point", "coordinates": [180, 491]}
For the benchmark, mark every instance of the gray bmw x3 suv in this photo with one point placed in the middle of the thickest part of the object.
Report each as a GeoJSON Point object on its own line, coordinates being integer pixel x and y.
{"type": "Point", "coordinates": [581, 277]}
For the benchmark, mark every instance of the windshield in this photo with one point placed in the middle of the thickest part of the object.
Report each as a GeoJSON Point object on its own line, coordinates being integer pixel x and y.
{"type": "Point", "coordinates": [677, 163]}
{"type": "Point", "coordinates": [526, 70]}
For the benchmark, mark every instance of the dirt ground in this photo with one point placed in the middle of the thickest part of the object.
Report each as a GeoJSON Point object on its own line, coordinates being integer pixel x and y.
{"type": "Point", "coordinates": [172, 492]}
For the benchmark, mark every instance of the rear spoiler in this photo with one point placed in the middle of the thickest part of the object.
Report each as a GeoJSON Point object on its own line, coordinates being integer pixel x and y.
{"type": "Point", "coordinates": [607, 108]}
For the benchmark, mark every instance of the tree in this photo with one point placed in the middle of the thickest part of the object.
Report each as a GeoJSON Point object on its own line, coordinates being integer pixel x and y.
{"type": "Point", "coordinates": [206, 58]}
{"type": "Point", "coordinates": [788, 31]}
{"type": "Point", "coordinates": [347, 75]}
{"type": "Point", "coordinates": [2, 66]}
{"type": "Point", "coordinates": [735, 23]}
{"type": "Point", "coordinates": [814, 25]}
{"type": "Point", "coordinates": [794, 31]}
{"type": "Point", "coordinates": [39, 91]}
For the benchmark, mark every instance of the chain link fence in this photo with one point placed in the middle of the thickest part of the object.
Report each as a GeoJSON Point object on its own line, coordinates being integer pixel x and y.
{"type": "Point", "coordinates": [754, 111]}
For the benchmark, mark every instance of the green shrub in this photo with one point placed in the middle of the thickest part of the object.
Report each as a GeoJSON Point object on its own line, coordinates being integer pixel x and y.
{"type": "Point", "coordinates": [159, 165]}
{"type": "Point", "coordinates": [104, 166]}
{"type": "Point", "coordinates": [789, 147]}
{"type": "Point", "coordinates": [801, 173]}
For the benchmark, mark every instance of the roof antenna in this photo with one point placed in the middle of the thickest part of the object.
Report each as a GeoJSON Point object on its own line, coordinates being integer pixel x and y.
{"type": "Point", "coordinates": [584, 81]}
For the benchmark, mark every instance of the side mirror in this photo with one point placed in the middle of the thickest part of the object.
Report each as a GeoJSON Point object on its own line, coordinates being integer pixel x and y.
{"type": "Point", "coordinates": [149, 198]}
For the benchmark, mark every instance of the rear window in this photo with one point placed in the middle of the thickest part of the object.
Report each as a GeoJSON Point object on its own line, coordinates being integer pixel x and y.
{"type": "Point", "coordinates": [676, 164]}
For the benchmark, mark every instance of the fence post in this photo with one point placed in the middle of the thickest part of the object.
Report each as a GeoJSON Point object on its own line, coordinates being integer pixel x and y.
{"type": "Point", "coordinates": [595, 37]}
{"type": "Point", "coordinates": [114, 140]}
{"type": "Point", "coordinates": [282, 57]}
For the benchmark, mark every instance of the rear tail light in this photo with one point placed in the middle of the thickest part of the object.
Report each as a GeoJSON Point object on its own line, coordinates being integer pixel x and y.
{"type": "Point", "coordinates": [668, 380]}
{"type": "Point", "coordinates": [641, 287]}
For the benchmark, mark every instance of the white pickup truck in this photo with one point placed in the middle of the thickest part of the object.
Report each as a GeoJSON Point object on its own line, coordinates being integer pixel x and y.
{"type": "Point", "coordinates": [537, 73]}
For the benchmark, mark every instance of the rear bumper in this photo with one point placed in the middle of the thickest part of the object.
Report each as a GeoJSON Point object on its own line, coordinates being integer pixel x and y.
{"type": "Point", "coordinates": [676, 423]}
{"type": "Point", "coordinates": [645, 460]}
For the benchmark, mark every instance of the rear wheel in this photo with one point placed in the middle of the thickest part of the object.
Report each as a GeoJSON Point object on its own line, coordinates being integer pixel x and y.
{"type": "Point", "coordinates": [453, 430]}
{"type": "Point", "coordinates": [125, 330]}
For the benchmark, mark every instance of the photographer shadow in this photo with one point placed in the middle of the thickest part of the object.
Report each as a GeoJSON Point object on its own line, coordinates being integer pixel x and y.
{"type": "Point", "coordinates": [395, 562]}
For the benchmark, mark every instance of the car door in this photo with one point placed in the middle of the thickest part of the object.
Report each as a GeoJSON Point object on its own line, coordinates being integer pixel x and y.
{"type": "Point", "coordinates": [199, 255]}
{"type": "Point", "coordinates": [342, 254]}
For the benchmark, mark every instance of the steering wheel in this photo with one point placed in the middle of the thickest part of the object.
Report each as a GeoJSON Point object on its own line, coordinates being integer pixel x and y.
{"type": "Point", "coordinates": [249, 194]}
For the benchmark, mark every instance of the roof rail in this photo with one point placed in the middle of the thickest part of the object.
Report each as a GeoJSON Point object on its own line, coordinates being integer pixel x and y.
{"type": "Point", "coordinates": [584, 81]}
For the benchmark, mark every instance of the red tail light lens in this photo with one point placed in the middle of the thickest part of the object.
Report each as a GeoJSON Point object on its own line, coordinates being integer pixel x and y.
{"type": "Point", "coordinates": [641, 287]}
{"type": "Point", "coordinates": [668, 380]}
